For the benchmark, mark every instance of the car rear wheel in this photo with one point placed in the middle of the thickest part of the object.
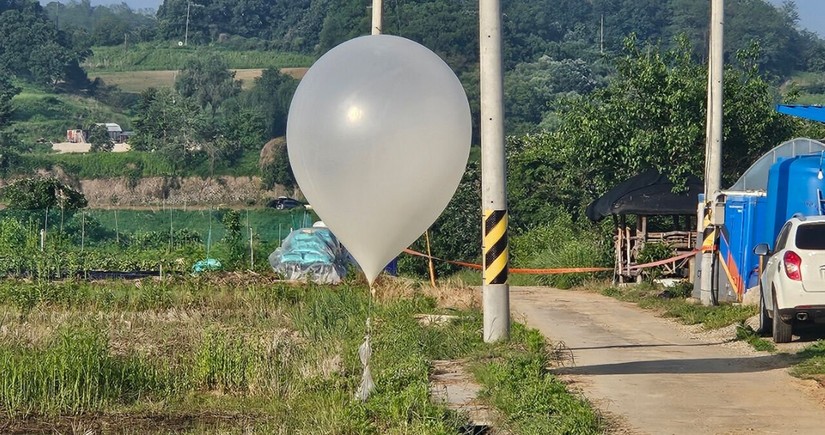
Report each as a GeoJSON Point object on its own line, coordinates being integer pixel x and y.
{"type": "Point", "coordinates": [782, 331]}
{"type": "Point", "coordinates": [765, 322]}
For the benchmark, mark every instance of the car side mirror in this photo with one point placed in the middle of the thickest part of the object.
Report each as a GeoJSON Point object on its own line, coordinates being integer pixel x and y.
{"type": "Point", "coordinates": [761, 249]}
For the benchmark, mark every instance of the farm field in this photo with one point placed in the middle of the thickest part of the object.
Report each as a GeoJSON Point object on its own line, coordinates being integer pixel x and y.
{"type": "Point", "coordinates": [153, 57]}
{"type": "Point", "coordinates": [244, 353]}
{"type": "Point", "coordinates": [269, 225]}
{"type": "Point", "coordinates": [137, 81]}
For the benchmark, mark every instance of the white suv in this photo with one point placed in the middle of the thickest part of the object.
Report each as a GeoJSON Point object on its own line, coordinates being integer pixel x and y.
{"type": "Point", "coordinates": [792, 284]}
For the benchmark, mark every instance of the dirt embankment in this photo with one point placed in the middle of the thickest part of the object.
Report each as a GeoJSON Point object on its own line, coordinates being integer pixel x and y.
{"type": "Point", "coordinates": [169, 191]}
{"type": "Point", "coordinates": [177, 191]}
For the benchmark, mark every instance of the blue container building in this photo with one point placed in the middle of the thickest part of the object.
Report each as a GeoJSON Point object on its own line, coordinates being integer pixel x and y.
{"type": "Point", "coordinates": [793, 185]}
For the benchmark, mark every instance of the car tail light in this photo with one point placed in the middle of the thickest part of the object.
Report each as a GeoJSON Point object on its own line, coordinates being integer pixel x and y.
{"type": "Point", "coordinates": [793, 265]}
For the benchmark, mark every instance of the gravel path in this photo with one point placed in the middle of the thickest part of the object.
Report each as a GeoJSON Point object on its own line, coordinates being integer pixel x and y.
{"type": "Point", "coordinates": [649, 375]}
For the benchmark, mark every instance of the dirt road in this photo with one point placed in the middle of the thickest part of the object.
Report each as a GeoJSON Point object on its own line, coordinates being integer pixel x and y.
{"type": "Point", "coordinates": [655, 377]}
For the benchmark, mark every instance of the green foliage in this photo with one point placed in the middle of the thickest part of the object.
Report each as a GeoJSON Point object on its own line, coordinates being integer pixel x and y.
{"type": "Point", "coordinates": [7, 91]}
{"type": "Point", "coordinates": [233, 238]}
{"type": "Point", "coordinates": [533, 89]}
{"type": "Point", "coordinates": [208, 81]}
{"type": "Point", "coordinates": [560, 244]}
{"type": "Point", "coordinates": [40, 116]}
{"type": "Point", "coordinates": [275, 167]}
{"type": "Point", "coordinates": [456, 233]}
{"type": "Point", "coordinates": [531, 399]}
{"type": "Point", "coordinates": [279, 357]}
{"type": "Point", "coordinates": [168, 56]}
{"type": "Point", "coordinates": [101, 24]}
{"type": "Point", "coordinates": [168, 124]}
{"type": "Point", "coordinates": [272, 95]}
{"type": "Point", "coordinates": [812, 364]}
{"type": "Point", "coordinates": [748, 335]}
{"type": "Point", "coordinates": [652, 252]}
{"type": "Point", "coordinates": [239, 365]}
{"type": "Point", "coordinates": [42, 193]}
{"type": "Point", "coordinates": [652, 115]}
{"type": "Point", "coordinates": [35, 50]}
{"type": "Point", "coordinates": [133, 165]}
{"type": "Point", "coordinates": [73, 374]}
{"type": "Point", "coordinates": [99, 138]}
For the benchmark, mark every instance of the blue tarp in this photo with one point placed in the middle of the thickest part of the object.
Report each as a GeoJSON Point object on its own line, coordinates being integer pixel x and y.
{"type": "Point", "coordinates": [312, 254]}
{"type": "Point", "coordinates": [813, 113]}
{"type": "Point", "coordinates": [206, 265]}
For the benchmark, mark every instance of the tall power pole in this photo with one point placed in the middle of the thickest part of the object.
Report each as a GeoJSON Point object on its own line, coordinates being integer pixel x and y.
{"type": "Point", "coordinates": [186, 33]}
{"type": "Point", "coordinates": [713, 148]}
{"type": "Point", "coordinates": [377, 16]}
{"type": "Point", "coordinates": [493, 176]}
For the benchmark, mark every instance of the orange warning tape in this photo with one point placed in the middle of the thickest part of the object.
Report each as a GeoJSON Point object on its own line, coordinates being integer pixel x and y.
{"type": "Point", "coordinates": [562, 270]}
{"type": "Point", "coordinates": [457, 263]}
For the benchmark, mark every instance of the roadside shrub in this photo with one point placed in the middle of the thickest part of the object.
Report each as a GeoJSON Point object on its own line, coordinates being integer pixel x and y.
{"type": "Point", "coordinates": [560, 244]}
{"type": "Point", "coordinates": [652, 252]}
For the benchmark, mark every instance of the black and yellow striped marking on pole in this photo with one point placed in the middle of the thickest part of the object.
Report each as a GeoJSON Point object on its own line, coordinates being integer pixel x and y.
{"type": "Point", "coordinates": [709, 232]}
{"type": "Point", "coordinates": [495, 247]}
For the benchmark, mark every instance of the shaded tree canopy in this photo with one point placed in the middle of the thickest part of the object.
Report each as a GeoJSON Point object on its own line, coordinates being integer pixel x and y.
{"type": "Point", "coordinates": [650, 115]}
{"type": "Point", "coordinates": [42, 193]}
{"type": "Point", "coordinates": [35, 50]}
{"type": "Point", "coordinates": [208, 81]}
{"type": "Point", "coordinates": [102, 24]}
{"type": "Point", "coordinates": [561, 29]}
{"type": "Point", "coordinates": [99, 138]}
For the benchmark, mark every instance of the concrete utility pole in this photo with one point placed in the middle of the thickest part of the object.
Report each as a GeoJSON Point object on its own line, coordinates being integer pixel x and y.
{"type": "Point", "coordinates": [713, 149]}
{"type": "Point", "coordinates": [493, 176]}
{"type": "Point", "coordinates": [377, 16]}
{"type": "Point", "coordinates": [186, 33]}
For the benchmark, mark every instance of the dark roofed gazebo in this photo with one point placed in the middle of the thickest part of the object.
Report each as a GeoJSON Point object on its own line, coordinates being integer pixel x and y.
{"type": "Point", "coordinates": [649, 194]}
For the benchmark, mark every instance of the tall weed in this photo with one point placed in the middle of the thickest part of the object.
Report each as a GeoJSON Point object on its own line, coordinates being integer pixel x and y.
{"type": "Point", "coordinates": [561, 244]}
{"type": "Point", "coordinates": [74, 373]}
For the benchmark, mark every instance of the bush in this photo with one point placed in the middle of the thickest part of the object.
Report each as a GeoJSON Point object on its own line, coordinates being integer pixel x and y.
{"type": "Point", "coordinates": [561, 244]}
{"type": "Point", "coordinates": [652, 252]}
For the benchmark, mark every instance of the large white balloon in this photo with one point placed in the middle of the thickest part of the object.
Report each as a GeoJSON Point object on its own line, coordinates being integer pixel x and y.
{"type": "Point", "coordinates": [378, 137]}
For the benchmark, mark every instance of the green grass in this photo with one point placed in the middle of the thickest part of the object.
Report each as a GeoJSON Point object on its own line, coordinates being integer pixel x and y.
{"type": "Point", "coordinates": [516, 381]}
{"type": "Point", "coordinates": [153, 57]}
{"type": "Point", "coordinates": [138, 81]}
{"type": "Point", "coordinates": [812, 362]}
{"type": "Point", "coordinates": [748, 335]}
{"type": "Point", "coordinates": [232, 354]}
{"type": "Point", "coordinates": [74, 373]}
{"type": "Point", "coordinates": [137, 164]}
{"type": "Point", "coordinates": [711, 317]}
{"type": "Point", "coordinates": [38, 114]}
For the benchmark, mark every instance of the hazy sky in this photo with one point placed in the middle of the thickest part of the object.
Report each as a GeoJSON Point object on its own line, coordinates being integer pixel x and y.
{"type": "Point", "coordinates": [811, 14]}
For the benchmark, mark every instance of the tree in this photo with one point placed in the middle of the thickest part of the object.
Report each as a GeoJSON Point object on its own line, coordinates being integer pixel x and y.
{"type": "Point", "coordinates": [272, 95]}
{"type": "Point", "coordinates": [532, 89]}
{"type": "Point", "coordinates": [167, 123]}
{"type": "Point", "coordinates": [32, 47]}
{"type": "Point", "coordinates": [99, 138]}
{"type": "Point", "coordinates": [652, 114]}
{"type": "Point", "coordinates": [233, 238]}
{"type": "Point", "coordinates": [208, 81]}
{"type": "Point", "coordinates": [7, 91]}
{"type": "Point", "coordinates": [41, 194]}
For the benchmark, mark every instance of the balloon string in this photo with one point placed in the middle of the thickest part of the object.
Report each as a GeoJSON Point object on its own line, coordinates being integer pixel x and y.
{"type": "Point", "coordinates": [365, 353]}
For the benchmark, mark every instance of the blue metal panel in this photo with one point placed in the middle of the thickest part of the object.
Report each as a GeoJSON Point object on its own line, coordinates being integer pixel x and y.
{"type": "Point", "coordinates": [737, 239]}
{"type": "Point", "coordinates": [792, 188]}
{"type": "Point", "coordinates": [813, 113]}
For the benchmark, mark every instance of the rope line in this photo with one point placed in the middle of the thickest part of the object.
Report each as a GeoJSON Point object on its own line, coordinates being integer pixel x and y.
{"type": "Point", "coordinates": [561, 270]}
